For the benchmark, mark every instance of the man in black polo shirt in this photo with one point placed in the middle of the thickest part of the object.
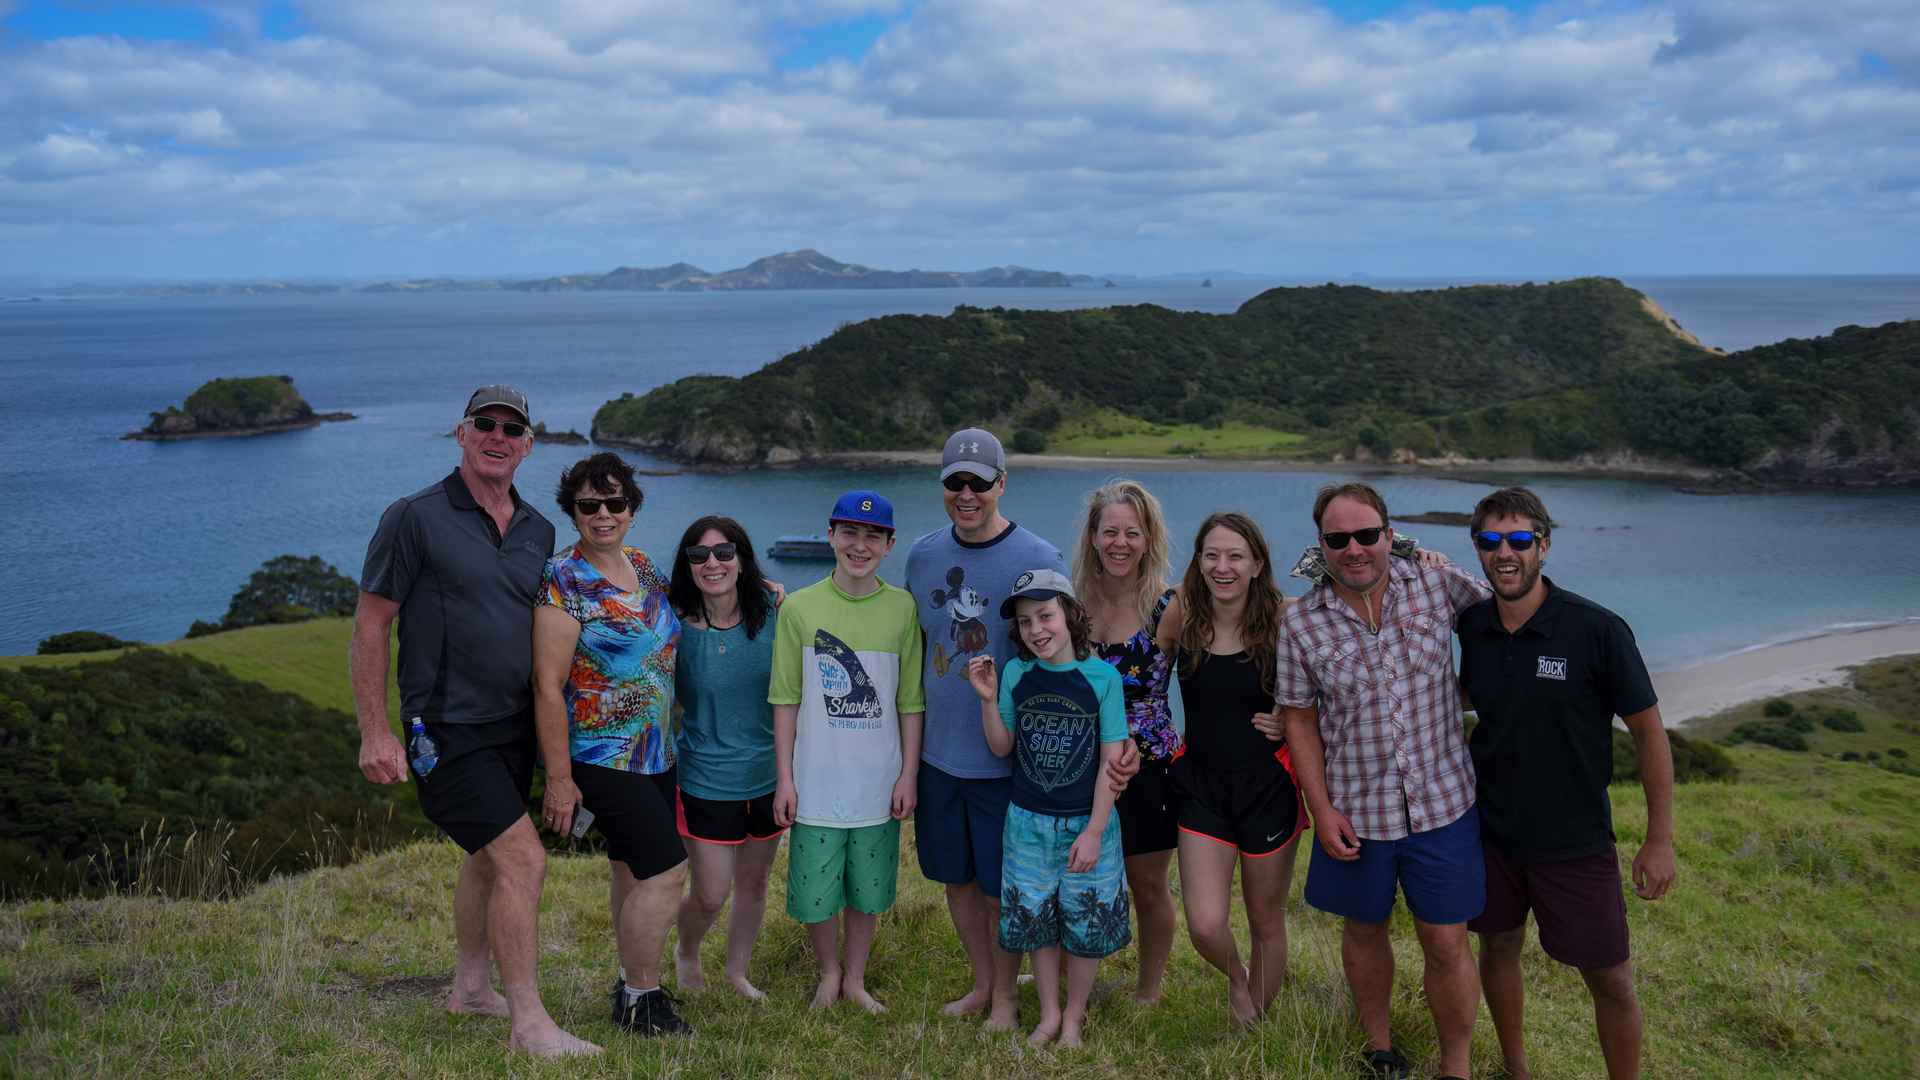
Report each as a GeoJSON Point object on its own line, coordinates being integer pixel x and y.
{"type": "Point", "coordinates": [1548, 671]}
{"type": "Point", "coordinates": [458, 564]}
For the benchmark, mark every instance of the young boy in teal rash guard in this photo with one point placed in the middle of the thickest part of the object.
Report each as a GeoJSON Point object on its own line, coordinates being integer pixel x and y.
{"type": "Point", "coordinates": [1061, 711]}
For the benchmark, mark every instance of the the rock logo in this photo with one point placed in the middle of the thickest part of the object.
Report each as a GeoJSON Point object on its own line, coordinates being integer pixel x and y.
{"type": "Point", "coordinates": [845, 687]}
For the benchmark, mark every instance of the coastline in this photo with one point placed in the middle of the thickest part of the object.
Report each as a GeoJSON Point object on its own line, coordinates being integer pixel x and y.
{"type": "Point", "coordinates": [238, 433]}
{"type": "Point", "coordinates": [1808, 663]}
{"type": "Point", "coordinates": [1455, 468]}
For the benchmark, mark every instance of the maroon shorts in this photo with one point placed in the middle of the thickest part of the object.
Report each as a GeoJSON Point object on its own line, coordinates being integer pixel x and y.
{"type": "Point", "coordinates": [1580, 905]}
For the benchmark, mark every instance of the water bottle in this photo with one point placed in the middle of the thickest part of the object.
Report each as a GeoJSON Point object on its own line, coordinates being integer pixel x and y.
{"type": "Point", "coordinates": [420, 748]}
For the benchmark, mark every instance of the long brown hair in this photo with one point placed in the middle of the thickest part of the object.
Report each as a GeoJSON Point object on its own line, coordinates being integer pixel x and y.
{"type": "Point", "coordinates": [1259, 620]}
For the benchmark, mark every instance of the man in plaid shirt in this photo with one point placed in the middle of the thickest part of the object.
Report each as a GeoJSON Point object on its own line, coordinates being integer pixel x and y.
{"type": "Point", "coordinates": [1367, 690]}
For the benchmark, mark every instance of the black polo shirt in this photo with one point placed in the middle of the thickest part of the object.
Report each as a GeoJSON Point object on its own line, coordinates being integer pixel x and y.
{"type": "Point", "coordinates": [1547, 696]}
{"type": "Point", "coordinates": [466, 601]}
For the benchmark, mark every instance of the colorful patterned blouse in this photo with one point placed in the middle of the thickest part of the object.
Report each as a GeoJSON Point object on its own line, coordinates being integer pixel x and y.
{"type": "Point", "coordinates": [1143, 672]}
{"type": "Point", "coordinates": [619, 693]}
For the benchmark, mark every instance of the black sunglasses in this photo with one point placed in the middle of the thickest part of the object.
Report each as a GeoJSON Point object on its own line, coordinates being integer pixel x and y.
{"type": "Point", "coordinates": [512, 428]}
{"type": "Point", "coordinates": [1367, 537]}
{"type": "Point", "coordinates": [590, 507]}
{"type": "Point", "coordinates": [968, 481]}
{"type": "Point", "coordinates": [1518, 539]}
{"type": "Point", "coordinates": [697, 554]}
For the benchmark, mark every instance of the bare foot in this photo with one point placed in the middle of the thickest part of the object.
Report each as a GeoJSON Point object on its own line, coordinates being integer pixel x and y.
{"type": "Point", "coordinates": [486, 1002]}
{"type": "Point", "coordinates": [686, 970]}
{"type": "Point", "coordinates": [1147, 998]}
{"type": "Point", "coordinates": [1070, 1033]}
{"type": "Point", "coordinates": [746, 989]}
{"type": "Point", "coordinates": [1044, 1032]}
{"type": "Point", "coordinates": [828, 991]}
{"type": "Point", "coordinates": [551, 1043]}
{"type": "Point", "coordinates": [1005, 1016]}
{"type": "Point", "coordinates": [859, 996]}
{"type": "Point", "coordinates": [974, 1001]}
{"type": "Point", "coordinates": [1240, 1002]}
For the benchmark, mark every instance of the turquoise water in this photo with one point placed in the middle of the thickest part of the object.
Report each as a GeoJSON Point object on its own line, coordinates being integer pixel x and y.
{"type": "Point", "coordinates": [140, 539]}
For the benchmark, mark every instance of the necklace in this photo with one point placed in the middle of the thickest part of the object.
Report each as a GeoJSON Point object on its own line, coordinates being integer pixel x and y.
{"type": "Point", "coordinates": [721, 645]}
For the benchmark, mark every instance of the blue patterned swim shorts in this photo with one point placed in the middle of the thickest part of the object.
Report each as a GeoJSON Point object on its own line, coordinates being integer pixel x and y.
{"type": "Point", "coordinates": [1042, 905]}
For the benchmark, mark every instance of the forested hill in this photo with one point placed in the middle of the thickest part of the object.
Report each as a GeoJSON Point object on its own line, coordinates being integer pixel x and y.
{"type": "Point", "coordinates": [1586, 369]}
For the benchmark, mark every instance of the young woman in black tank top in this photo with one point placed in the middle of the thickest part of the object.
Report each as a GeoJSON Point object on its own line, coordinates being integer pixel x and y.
{"type": "Point", "coordinates": [1237, 800]}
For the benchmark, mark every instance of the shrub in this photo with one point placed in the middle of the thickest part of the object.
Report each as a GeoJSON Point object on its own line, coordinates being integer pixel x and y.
{"type": "Point", "coordinates": [1694, 760]}
{"type": "Point", "coordinates": [1842, 720]}
{"type": "Point", "coordinates": [1768, 734]}
{"type": "Point", "coordinates": [1778, 707]}
{"type": "Point", "coordinates": [1029, 441]}
{"type": "Point", "coordinates": [79, 641]}
{"type": "Point", "coordinates": [1799, 722]}
{"type": "Point", "coordinates": [1897, 752]}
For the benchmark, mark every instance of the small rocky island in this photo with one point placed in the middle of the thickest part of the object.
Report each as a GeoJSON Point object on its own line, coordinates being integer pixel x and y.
{"type": "Point", "coordinates": [223, 408]}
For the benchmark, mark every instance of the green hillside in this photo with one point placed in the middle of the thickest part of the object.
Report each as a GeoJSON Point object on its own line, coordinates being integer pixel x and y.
{"type": "Point", "coordinates": [1585, 367]}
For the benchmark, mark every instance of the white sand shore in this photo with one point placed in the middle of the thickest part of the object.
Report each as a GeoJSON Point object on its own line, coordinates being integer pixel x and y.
{"type": "Point", "coordinates": [1806, 664]}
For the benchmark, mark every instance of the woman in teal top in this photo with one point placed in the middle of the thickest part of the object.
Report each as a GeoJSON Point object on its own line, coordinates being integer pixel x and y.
{"type": "Point", "coordinates": [725, 742]}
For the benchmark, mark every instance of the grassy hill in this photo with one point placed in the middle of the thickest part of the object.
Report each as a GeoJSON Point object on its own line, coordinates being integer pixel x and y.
{"type": "Point", "coordinates": [1789, 948]}
{"type": "Point", "coordinates": [1585, 368]}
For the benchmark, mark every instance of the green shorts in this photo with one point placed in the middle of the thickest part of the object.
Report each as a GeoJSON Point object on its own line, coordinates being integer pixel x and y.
{"type": "Point", "coordinates": [829, 868]}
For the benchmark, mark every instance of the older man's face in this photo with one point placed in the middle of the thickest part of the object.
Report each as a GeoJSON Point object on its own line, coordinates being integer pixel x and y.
{"type": "Point", "coordinates": [1358, 566]}
{"type": "Point", "coordinates": [491, 455]}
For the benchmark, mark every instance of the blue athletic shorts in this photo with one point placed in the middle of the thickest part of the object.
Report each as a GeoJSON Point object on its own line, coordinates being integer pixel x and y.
{"type": "Point", "coordinates": [1441, 871]}
{"type": "Point", "coordinates": [1043, 905]}
{"type": "Point", "coordinates": [957, 827]}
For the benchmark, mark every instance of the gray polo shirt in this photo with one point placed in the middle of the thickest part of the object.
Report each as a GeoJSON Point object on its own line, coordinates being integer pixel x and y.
{"type": "Point", "coordinates": [466, 601]}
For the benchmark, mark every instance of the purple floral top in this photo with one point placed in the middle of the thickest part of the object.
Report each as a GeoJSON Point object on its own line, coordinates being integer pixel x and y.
{"type": "Point", "coordinates": [1144, 671]}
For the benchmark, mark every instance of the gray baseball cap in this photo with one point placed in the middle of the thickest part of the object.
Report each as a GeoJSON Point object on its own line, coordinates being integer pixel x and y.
{"type": "Point", "coordinates": [502, 395]}
{"type": "Point", "coordinates": [1041, 584]}
{"type": "Point", "coordinates": [974, 450]}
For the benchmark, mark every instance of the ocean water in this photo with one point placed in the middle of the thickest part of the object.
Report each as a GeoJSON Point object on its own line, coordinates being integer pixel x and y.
{"type": "Point", "coordinates": [139, 539]}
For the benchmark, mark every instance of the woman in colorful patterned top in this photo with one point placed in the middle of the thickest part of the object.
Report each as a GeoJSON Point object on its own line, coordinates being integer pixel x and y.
{"type": "Point", "coordinates": [726, 743]}
{"type": "Point", "coordinates": [1120, 569]}
{"type": "Point", "coordinates": [604, 639]}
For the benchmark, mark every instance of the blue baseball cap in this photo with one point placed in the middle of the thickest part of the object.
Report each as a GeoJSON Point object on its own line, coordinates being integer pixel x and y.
{"type": "Point", "coordinates": [863, 508]}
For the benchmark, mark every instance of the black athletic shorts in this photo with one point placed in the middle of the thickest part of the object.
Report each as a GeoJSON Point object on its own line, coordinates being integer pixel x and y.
{"type": "Point", "coordinates": [633, 813]}
{"type": "Point", "coordinates": [479, 786]}
{"type": "Point", "coordinates": [1149, 817]}
{"type": "Point", "coordinates": [1256, 809]}
{"type": "Point", "coordinates": [727, 821]}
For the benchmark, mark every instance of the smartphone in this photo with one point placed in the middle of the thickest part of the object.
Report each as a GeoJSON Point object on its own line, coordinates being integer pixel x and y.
{"type": "Point", "coordinates": [582, 819]}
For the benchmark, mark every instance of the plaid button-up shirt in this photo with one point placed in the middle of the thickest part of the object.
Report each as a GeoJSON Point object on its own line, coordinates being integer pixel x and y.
{"type": "Point", "coordinates": [1389, 702]}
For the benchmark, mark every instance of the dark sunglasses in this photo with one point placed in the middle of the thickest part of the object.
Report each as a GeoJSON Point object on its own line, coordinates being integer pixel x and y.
{"type": "Point", "coordinates": [590, 507]}
{"type": "Point", "coordinates": [697, 554]}
{"type": "Point", "coordinates": [1367, 537]}
{"type": "Point", "coordinates": [1518, 540]}
{"type": "Point", "coordinates": [513, 429]}
{"type": "Point", "coordinates": [968, 481]}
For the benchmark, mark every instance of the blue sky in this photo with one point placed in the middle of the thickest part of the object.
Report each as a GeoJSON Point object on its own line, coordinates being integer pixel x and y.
{"type": "Point", "coordinates": [363, 138]}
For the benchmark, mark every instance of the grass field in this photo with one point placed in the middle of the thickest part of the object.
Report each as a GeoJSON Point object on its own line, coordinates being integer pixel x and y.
{"type": "Point", "coordinates": [1106, 432]}
{"type": "Point", "coordinates": [1790, 947]}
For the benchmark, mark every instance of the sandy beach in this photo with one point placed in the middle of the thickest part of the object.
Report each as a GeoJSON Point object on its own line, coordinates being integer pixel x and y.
{"type": "Point", "coordinates": [1806, 664]}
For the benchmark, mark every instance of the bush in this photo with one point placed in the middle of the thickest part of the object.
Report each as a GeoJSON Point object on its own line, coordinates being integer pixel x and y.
{"type": "Point", "coordinates": [1029, 441]}
{"type": "Point", "coordinates": [1896, 752]}
{"type": "Point", "coordinates": [1694, 760]}
{"type": "Point", "coordinates": [1769, 734]}
{"type": "Point", "coordinates": [1842, 720]}
{"type": "Point", "coordinates": [1778, 707]}
{"type": "Point", "coordinates": [79, 641]}
{"type": "Point", "coordinates": [286, 589]}
{"type": "Point", "coordinates": [1799, 722]}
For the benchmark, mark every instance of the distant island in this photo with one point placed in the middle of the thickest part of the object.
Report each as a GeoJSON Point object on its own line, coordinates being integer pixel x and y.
{"type": "Point", "coordinates": [804, 269]}
{"type": "Point", "coordinates": [1585, 375]}
{"type": "Point", "coordinates": [224, 408]}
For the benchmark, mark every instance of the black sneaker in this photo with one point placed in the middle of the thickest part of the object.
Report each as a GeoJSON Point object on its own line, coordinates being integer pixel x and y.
{"type": "Point", "coordinates": [619, 995]}
{"type": "Point", "coordinates": [1388, 1065]}
{"type": "Point", "coordinates": [651, 1014]}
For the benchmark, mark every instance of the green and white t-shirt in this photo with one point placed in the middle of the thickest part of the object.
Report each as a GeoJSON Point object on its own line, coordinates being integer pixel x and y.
{"type": "Point", "coordinates": [852, 665]}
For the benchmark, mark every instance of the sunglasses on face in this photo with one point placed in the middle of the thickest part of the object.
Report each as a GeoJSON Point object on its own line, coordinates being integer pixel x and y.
{"type": "Point", "coordinates": [1367, 537]}
{"type": "Point", "coordinates": [1518, 540]}
{"type": "Point", "coordinates": [697, 554]}
{"type": "Point", "coordinates": [590, 507]}
{"type": "Point", "coordinates": [513, 429]}
{"type": "Point", "coordinates": [968, 481]}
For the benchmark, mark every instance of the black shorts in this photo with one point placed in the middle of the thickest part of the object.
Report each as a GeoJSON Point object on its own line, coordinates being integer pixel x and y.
{"type": "Point", "coordinates": [479, 786]}
{"type": "Point", "coordinates": [1580, 905]}
{"type": "Point", "coordinates": [634, 815]}
{"type": "Point", "coordinates": [727, 821]}
{"type": "Point", "coordinates": [1149, 817]}
{"type": "Point", "coordinates": [1256, 809]}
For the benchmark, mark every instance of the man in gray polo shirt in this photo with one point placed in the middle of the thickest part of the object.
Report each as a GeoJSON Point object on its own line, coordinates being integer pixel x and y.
{"type": "Point", "coordinates": [458, 564]}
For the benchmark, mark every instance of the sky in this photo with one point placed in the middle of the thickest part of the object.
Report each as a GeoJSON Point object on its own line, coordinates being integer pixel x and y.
{"type": "Point", "coordinates": [378, 139]}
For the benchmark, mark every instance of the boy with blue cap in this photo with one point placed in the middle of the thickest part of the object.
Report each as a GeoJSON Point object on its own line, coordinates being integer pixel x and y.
{"type": "Point", "coordinates": [847, 710]}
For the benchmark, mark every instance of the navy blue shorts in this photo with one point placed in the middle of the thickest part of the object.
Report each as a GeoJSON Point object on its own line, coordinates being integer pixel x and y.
{"type": "Point", "coordinates": [958, 828]}
{"type": "Point", "coordinates": [1441, 871]}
